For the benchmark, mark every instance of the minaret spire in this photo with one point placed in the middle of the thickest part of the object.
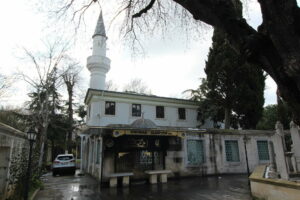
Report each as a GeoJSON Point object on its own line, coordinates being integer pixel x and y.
{"type": "Point", "coordinates": [98, 64]}
{"type": "Point", "coordinates": [100, 28]}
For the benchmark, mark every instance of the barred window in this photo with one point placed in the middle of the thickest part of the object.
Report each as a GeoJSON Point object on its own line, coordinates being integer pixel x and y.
{"type": "Point", "coordinates": [136, 110]}
{"type": "Point", "coordinates": [263, 150]}
{"type": "Point", "coordinates": [232, 151]}
{"type": "Point", "coordinates": [110, 108]}
{"type": "Point", "coordinates": [181, 113]}
{"type": "Point", "coordinates": [195, 150]}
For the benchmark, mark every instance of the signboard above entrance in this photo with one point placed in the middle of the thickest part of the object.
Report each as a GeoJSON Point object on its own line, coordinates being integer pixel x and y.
{"type": "Point", "coordinates": [179, 133]}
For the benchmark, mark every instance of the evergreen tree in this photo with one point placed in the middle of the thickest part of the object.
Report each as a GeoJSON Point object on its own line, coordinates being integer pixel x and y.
{"type": "Point", "coordinates": [270, 117]}
{"type": "Point", "coordinates": [46, 99]}
{"type": "Point", "coordinates": [234, 87]}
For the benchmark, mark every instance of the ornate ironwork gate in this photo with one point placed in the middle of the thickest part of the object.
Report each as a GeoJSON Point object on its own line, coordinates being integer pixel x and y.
{"type": "Point", "coordinates": [139, 160]}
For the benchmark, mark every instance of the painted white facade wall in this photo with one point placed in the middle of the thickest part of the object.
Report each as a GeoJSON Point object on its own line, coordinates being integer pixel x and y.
{"type": "Point", "coordinates": [214, 146]}
{"type": "Point", "coordinates": [214, 156]}
{"type": "Point", "coordinates": [123, 113]}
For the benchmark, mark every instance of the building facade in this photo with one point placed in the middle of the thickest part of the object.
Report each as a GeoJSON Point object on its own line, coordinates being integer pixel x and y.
{"type": "Point", "coordinates": [129, 132]}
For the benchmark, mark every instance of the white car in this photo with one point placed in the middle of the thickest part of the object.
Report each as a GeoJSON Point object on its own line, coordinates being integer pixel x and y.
{"type": "Point", "coordinates": [64, 163]}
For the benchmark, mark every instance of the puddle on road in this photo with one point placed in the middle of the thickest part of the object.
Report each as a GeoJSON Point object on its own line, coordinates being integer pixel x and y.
{"type": "Point", "coordinates": [75, 188]}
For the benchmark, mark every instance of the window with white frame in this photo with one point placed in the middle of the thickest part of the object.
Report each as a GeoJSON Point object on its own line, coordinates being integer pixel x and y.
{"type": "Point", "coordinates": [98, 146]}
{"type": "Point", "coordinates": [136, 110]}
{"type": "Point", "coordinates": [181, 113]}
{"type": "Point", "coordinates": [195, 152]}
{"type": "Point", "coordinates": [263, 150]}
{"type": "Point", "coordinates": [160, 112]}
{"type": "Point", "coordinates": [110, 108]}
{"type": "Point", "coordinates": [232, 151]}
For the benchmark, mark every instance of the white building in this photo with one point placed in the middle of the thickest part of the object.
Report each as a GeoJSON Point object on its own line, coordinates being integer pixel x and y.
{"type": "Point", "coordinates": [129, 132]}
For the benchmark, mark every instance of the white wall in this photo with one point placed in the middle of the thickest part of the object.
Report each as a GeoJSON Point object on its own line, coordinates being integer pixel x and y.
{"type": "Point", "coordinates": [214, 146]}
{"type": "Point", "coordinates": [123, 114]}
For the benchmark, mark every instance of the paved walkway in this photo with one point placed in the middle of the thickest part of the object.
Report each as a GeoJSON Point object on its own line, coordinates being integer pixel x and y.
{"type": "Point", "coordinates": [229, 187]}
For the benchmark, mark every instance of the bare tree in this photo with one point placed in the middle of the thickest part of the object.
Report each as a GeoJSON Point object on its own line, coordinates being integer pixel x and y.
{"type": "Point", "coordinates": [71, 78]}
{"type": "Point", "coordinates": [5, 83]}
{"type": "Point", "coordinates": [137, 86]}
{"type": "Point", "coordinates": [111, 86]}
{"type": "Point", "coordinates": [42, 79]}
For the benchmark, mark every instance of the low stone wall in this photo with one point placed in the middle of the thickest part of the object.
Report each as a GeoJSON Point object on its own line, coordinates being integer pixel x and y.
{"type": "Point", "coordinates": [272, 189]}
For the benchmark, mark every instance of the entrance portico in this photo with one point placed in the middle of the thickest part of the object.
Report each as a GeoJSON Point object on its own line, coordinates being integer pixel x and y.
{"type": "Point", "coordinates": [133, 149]}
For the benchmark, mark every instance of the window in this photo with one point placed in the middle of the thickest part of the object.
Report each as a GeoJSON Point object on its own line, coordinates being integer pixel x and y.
{"type": "Point", "coordinates": [195, 151]}
{"type": "Point", "coordinates": [263, 150]}
{"type": "Point", "coordinates": [181, 113]}
{"type": "Point", "coordinates": [160, 112]}
{"type": "Point", "coordinates": [232, 151]}
{"type": "Point", "coordinates": [136, 110]}
{"type": "Point", "coordinates": [110, 108]}
{"type": "Point", "coordinates": [98, 146]}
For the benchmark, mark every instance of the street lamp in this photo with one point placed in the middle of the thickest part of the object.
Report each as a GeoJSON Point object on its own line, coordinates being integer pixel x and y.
{"type": "Point", "coordinates": [245, 139]}
{"type": "Point", "coordinates": [31, 136]}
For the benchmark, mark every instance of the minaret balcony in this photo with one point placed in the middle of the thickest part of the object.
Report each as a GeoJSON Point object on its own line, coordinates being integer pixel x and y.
{"type": "Point", "coordinates": [95, 62]}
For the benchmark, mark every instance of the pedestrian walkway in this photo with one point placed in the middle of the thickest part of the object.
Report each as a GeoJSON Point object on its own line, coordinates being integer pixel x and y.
{"type": "Point", "coordinates": [227, 187]}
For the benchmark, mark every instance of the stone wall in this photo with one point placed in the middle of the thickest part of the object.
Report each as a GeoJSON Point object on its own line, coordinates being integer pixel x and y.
{"type": "Point", "coordinates": [275, 189]}
{"type": "Point", "coordinates": [11, 143]}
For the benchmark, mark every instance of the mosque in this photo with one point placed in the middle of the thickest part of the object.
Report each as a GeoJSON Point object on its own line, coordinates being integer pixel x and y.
{"type": "Point", "coordinates": [145, 137]}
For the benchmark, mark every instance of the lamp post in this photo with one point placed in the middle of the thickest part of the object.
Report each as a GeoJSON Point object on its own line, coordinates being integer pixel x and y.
{"type": "Point", "coordinates": [31, 136]}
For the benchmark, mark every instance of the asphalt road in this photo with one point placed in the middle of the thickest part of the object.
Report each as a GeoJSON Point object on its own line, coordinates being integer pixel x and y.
{"type": "Point", "coordinates": [227, 187]}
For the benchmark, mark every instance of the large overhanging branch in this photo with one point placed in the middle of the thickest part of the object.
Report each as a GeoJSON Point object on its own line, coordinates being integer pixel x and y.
{"type": "Point", "coordinates": [144, 10]}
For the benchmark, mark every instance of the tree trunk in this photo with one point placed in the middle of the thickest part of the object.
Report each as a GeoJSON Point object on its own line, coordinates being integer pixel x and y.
{"type": "Point", "coordinates": [227, 118]}
{"type": "Point", "coordinates": [42, 146]}
{"type": "Point", "coordinates": [70, 116]}
{"type": "Point", "coordinates": [52, 150]}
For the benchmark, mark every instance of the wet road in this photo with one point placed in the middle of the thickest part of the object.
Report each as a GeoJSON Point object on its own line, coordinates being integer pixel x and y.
{"type": "Point", "coordinates": [229, 187]}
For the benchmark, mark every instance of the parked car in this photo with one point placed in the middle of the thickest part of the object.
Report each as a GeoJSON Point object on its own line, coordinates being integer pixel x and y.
{"type": "Point", "coordinates": [64, 163]}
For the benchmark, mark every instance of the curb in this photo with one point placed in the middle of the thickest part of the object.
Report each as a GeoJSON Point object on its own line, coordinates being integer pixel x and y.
{"type": "Point", "coordinates": [34, 193]}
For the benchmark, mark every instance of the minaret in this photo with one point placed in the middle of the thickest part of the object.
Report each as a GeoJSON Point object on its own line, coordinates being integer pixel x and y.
{"type": "Point", "coordinates": [98, 64]}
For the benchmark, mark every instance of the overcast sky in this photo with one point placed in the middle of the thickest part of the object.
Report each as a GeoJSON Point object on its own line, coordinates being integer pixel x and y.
{"type": "Point", "coordinates": [171, 64]}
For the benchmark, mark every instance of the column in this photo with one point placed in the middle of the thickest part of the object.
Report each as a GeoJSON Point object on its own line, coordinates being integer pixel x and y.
{"type": "Point", "coordinates": [296, 143]}
{"type": "Point", "coordinates": [278, 141]}
{"type": "Point", "coordinates": [272, 155]}
{"type": "Point", "coordinates": [81, 153]}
